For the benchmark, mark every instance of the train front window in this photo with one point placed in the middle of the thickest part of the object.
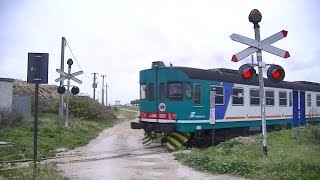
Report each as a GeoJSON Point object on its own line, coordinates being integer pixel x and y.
{"type": "Point", "coordinates": [175, 91]}
{"type": "Point", "coordinates": [197, 94]}
{"type": "Point", "coordinates": [143, 91]}
{"type": "Point", "coordinates": [161, 91]}
{"type": "Point", "coordinates": [150, 92]}
{"type": "Point", "coordinates": [188, 91]}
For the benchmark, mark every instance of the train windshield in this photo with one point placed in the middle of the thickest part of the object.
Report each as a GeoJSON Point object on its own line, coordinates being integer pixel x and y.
{"type": "Point", "coordinates": [143, 91]}
{"type": "Point", "coordinates": [175, 91]}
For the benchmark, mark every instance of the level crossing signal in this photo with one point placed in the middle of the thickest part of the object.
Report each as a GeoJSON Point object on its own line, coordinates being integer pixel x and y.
{"type": "Point", "coordinates": [247, 72]}
{"type": "Point", "coordinates": [275, 73]}
{"type": "Point", "coordinates": [75, 90]}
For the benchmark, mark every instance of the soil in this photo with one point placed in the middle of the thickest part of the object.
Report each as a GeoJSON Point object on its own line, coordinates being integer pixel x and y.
{"type": "Point", "coordinates": [118, 153]}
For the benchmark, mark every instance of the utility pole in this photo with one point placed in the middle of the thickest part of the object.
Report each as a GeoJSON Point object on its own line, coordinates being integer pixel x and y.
{"type": "Point", "coordinates": [63, 44]}
{"type": "Point", "coordinates": [106, 94]}
{"type": "Point", "coordinates": [94, 85]}
{"type": "Point", "coordinates": [102, 93]}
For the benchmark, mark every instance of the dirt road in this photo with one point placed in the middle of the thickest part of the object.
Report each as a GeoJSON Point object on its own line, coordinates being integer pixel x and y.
{"type": "Point", "coordinates": [118, 153]}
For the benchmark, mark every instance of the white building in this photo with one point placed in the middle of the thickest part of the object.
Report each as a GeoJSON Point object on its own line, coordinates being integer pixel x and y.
{"type": "Point", "coordinates": [6, 90]}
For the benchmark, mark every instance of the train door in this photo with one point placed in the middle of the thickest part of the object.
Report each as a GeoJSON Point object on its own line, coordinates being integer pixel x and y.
{"type": "Point", "coordinates": [212, 105]}
{"type": "Point", "coordinates": [302, 120]}
{"type": "Point", "coordinates": [298, 109]}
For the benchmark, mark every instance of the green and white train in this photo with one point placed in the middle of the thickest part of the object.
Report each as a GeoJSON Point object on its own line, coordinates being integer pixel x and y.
{"type": "Point", "coordinates": [190, 106]}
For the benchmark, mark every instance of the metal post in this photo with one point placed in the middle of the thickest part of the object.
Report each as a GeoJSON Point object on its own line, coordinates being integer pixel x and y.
{"type": "Point", "coordinates": [106, 94]}
{"type": "Point", "coordinates": [63, 43]}
{"type": "Point", "coordinates": [35, 131]}
{"type": "Point", "coordinates": [255, 17]}
{"type": "Point", "coordinates": [94, 85]}
{"type": "Point", "coordinates": [102, 89]}
{"type": "Point", "coordinates": [67, 99]}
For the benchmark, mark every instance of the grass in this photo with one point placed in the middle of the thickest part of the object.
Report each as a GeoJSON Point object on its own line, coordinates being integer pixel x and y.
{"type": "Point", "coordinates": [292, 154]}
{"type": "Point", "coordinates": [134, 108]}
{"type": "Point", "coordinates": [127, 114]}
{"type": "Point", "coordinates": [44, 171]}
{"type": "Point", "coordinates": [51, 135]}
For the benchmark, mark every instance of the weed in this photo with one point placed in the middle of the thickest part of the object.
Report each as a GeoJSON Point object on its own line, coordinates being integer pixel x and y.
{"type": "Point", "coordinates": [291, 155]}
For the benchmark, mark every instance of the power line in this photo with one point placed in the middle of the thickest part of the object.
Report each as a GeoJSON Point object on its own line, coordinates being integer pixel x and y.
{"type": "Point", "coordinates": [76, 59]}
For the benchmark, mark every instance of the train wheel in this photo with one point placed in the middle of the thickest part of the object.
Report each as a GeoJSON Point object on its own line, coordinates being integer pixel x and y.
{"type": "Point", "coordinates": [147, 139]}
{"type": "Point", "coordinates": [176, 140]}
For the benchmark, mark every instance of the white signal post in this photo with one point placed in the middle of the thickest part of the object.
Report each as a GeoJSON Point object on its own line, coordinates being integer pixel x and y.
{"type": "Point", "coordinates": [68, 76]}
{"type": "Point", "coordinates": [255, 47]}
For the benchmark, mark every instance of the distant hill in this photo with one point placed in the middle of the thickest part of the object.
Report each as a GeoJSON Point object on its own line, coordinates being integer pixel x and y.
{"type": "Point", "coordinates": [46, 92]}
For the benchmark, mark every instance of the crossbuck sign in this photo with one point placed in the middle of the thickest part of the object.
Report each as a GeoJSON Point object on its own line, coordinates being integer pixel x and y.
{"type": "Point", "coordinates": [255, 45]}
{"type": "Point", "coordinates": [69, 76]}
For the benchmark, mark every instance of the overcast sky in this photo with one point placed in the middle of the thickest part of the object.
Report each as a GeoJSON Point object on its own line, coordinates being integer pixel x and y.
{"type": "Point", "coordinates": [121, 37]}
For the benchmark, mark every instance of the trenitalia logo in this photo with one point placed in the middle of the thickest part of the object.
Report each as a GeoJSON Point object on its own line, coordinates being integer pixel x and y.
{"type": "Point", "coordinates": [193, 115]}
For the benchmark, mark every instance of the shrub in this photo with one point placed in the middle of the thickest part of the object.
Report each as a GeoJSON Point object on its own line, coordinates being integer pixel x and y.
{"type": "Point", "coordinates": [7, 118]}
{"type": "Point", "coordinates": [86, 108]}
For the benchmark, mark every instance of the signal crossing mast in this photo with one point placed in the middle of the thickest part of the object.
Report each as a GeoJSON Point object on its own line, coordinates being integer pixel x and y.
{"type": "Point", "coordinates": [275, 73]}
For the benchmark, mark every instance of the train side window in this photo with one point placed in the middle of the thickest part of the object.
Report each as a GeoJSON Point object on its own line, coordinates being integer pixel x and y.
{"type": "Point", "coordinates": [254, 97]}
{"type": "Point", "coordinates": [309, 100]}
{"type": "Point", "coordinates": [269, 98]}
{"type": "Point", "coordinates": [237, 96]}
{"type": "Point", "coordinates": [143, 91]}
{"type": "Point", "coordinates": [150, 92]}
{"type": "Point", "coordinates": [197, 94]}
{"type": "Point", "coordinates": [282, 98]}
{"type": "Point", "coordinates": [188, 90]}
{"type": "Point", "coordinates": [318, 100]}
{"type": "Point", "coordinates": [219, 100]}
{"type": "Point", "coordinates": [161, 92]}
{"type": "Point", "coordinates": [175, 91]}
{"type": "Point", "coordinates": [290, 99]}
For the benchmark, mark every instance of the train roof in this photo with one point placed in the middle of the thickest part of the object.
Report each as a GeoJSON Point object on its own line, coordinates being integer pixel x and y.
{"type": "Point", "coordinates": [230, 75]}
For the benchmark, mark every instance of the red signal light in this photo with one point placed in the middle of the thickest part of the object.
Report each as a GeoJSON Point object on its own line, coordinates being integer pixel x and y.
{"type": "Point", "coordinates": [247, 72]}
{"type": "Point", "coordinates": [275, 73]}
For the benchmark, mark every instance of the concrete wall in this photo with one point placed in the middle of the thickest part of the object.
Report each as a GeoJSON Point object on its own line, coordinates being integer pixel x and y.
{"type": "Point", "coordinates": [21, 105]}
{"type": "Point", "coordinates": [6, 88]}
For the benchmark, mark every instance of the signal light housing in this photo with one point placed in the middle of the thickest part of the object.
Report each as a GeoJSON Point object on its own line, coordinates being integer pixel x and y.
{"type": "Point", "coordinates": [75, 90]}
{"type": "Point", "coordinates": [275, 73]}
{"type": "Point", "coordinates": [61, 89]}
{"type": "Point", "coordinates": [247, 72]}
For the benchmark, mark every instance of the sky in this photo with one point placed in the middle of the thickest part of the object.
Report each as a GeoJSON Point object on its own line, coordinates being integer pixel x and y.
{"type": "Point", "coordinates": [118, 38]}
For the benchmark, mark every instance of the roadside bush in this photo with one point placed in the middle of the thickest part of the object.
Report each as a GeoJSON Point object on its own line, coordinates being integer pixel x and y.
{"type": "Point", "coordinates": [8, 119]}
{"type": "Point", "coordinates": [88, 109]}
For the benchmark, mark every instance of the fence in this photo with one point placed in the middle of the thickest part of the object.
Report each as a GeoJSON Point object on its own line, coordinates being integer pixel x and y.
{"type": "Point", "coordinates": [21, 105]}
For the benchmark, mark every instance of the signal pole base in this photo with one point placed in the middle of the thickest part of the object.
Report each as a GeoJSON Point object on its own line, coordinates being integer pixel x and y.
{"type": "Point", "coordinates": [265, 151]}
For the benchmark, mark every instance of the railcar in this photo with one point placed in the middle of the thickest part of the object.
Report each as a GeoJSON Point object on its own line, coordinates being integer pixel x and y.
{"type": "Point", "coordinates": [191, 106]}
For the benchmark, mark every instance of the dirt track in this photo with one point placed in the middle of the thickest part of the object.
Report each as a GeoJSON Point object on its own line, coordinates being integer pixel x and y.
{"type": "Point", "coordinates": [118, 153]}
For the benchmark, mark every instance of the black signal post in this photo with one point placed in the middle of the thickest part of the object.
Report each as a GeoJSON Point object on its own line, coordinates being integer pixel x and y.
{"type": "Point", "coordinates": [37, 74]}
